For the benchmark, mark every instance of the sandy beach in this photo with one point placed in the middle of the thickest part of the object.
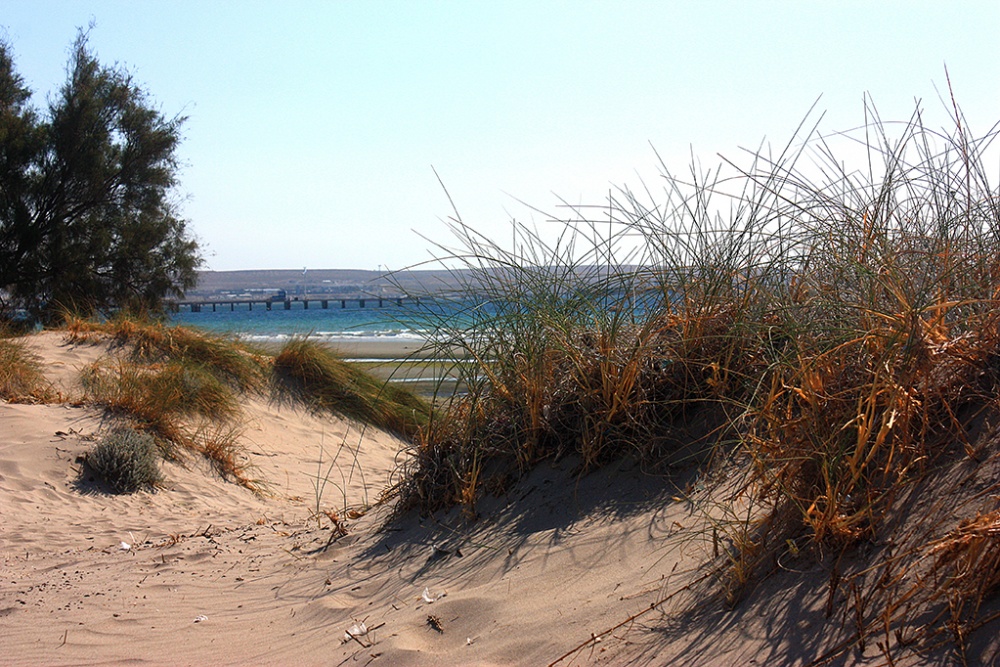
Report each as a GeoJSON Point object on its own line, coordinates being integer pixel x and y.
{"type": "Point", "coordinates": [377, 349]}
{"type": "Point", "coordinates": [607, 568]}
{"type": "Point", "coordinates": [205, 572]}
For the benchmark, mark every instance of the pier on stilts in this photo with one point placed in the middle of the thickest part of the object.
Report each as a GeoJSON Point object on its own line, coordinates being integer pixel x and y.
{"type": "Point", "coordinates": [191, 306]}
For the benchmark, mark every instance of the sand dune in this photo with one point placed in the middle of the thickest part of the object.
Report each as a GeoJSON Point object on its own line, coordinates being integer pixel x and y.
{"type": "Point", "coordinates": [205, 572]}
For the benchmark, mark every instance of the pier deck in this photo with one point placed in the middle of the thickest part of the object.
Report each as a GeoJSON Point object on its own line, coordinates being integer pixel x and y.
{"type": "Point", "coordinates": [191, 306]}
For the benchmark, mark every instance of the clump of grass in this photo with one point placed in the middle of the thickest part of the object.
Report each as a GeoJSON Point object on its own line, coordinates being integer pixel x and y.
{"type": "Point", "coordinates": [886, 322]}
{"type": "Point", "coordinates": [127, 460]}
{"type": "Point", "coordinates": [179, 384]}
{"type": "Point", "coordinates": [81, 330]}
{"type": "Point", "coordinates": [183, 386]}
{"type": "Point", "coordinates": [150, 340]}
{"type": "Point", "coordinates": [220, 445]}
{"type": "Point", "coordinates": [315, 375]}
{"type": "Point", "coordinates": [21, 377]}
{"type": "Point", "coordinates": [181, 402]}
{"type": "Point", "coordinates": [570, 351]}
{"type": "Point", "coordinates": [845, 325]}
{"type": "Point", "coordinates": [157, 394]}
{"type": "Point", "coordinates": [232, 361]}
{"type": "Point", "coordinates": [186, 408]}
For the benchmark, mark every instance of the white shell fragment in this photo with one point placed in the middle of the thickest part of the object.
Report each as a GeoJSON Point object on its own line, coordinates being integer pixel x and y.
{"type": "Point", "coordinates": [428, 597]}
{"type": "Point", "coordinates": [356, 630]}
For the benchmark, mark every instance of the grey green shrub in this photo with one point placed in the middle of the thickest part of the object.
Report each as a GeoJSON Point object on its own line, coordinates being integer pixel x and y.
{"type": "Point", "coordinates": [128, 460]}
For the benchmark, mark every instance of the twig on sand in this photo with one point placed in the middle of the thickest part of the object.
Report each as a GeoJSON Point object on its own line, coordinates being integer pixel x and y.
{"type": "Point", "coordinates": [595, 638]}
{"type": "Point", "coordinates": [351, 635]}
{"type": "Point", "coordinates": [365, 633]}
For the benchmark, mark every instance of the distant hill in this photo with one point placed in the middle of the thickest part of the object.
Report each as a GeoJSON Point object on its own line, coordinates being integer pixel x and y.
{"type": "Point", "coordinates": [355, 283]}
{"type": "Point", "coordinates": [344, 283]}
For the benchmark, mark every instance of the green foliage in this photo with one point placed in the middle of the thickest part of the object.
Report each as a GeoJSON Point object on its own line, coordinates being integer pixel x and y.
{"type": "Point", "coordinates": [87, 217]}
{"type": "Point", "coordinates": [128, 460]}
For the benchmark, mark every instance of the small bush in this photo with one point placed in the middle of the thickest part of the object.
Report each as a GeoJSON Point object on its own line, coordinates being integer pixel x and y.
{"type": "Point", "coordinates": [127, 460]}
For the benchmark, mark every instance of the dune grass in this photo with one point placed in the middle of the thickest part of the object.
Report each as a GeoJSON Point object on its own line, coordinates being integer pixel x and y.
{"type": "Point", "coordinates": [157, 393]}
{"type": "Point", "coordinates": [21, 376]}
{"type": "Point", "coordinates": [185, 386]}
{"type": "Point", "coordinates": [840, 327]}
{"type": "Point", "coordinates": [183, 405]}
{"type": "Point", "coordinates": [180, 385]}
{"type": "Point", "coordinates": [315, 375]}
{"type": "Point", "coordinates": [236, 364]}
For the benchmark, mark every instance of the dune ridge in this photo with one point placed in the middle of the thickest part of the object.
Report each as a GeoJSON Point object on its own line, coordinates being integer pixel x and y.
{"type": "Point", "coordinates": [614, 567]}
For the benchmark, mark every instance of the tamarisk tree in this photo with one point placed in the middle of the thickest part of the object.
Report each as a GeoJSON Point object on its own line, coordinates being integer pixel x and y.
{"type": "Point", "coordinates": [88, 214]}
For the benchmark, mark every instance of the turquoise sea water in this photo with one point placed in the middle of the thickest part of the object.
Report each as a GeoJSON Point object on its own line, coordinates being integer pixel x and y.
{"type": "Point", "coordinates": [335, 323]}
{"type": "Point", "coordinates": [410, 321]}
{"type": "Point", "coordinates": [389, 323]}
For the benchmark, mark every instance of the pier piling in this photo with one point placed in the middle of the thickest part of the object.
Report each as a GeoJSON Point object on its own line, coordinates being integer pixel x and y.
{"type": "Point", "coordinates": [268, 303]}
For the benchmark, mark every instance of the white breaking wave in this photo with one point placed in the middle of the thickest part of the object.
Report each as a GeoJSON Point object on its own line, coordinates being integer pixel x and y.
{"type": "Point", "coordinates": [333, 336]}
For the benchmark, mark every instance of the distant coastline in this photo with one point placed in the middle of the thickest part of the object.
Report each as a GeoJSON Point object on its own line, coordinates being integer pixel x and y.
{"type": "Point", "coordinates": [397, 321]}
{"type": "Point", "coordinates": [330, 283]}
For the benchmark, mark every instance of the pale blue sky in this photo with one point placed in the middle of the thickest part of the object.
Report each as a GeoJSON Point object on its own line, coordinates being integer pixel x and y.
{"type": "Point", "coordinates": [313, 126]}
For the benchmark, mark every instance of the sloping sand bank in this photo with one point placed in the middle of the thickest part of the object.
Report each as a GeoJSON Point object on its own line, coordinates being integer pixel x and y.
{"type": "Point", "coordinates": [205, 572]}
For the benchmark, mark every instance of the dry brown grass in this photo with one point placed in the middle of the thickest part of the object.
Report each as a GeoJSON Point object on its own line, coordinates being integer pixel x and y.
{"type": "Point", "coordinates": [184, 406]}
{"type": "Point", "coordinates": [148, 341]}
{"type": "Point", "coordinates": [185, 387]}
{"type": "Point", "coordinates": [181, 385]}
{"type": "Point", "coordinates": [846, 324]}
{"type": "Point", "coordinates": [313, 374]}
{"type": "Point", "coordinates": [21, 377]}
